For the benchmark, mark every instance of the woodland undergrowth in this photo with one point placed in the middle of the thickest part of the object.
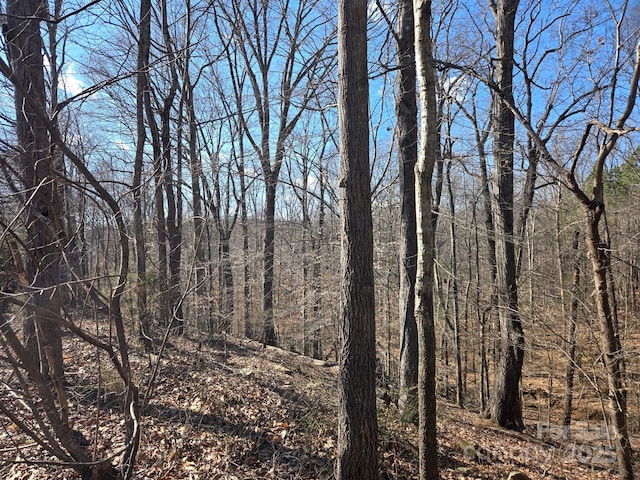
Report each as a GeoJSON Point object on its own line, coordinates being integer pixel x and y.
{"type": "Point", "coordinates": [232, 409]}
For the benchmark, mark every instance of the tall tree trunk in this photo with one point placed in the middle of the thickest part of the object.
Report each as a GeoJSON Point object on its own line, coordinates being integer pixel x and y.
{"type": "Point", "coordinates": [454, 290]}
{"type": "Point", "coordinates": [613, 354]}
{"type": "Point", "coordinates": [307, 237]}
{"type": "Point", "coordinates": [41, 272]}
{"type": "Point", "coordinates": [407, 132]}
{"type": "Point", "coordinates": [160, 219]}
{"type": "Point", "coordinates": [172, 188]}
{"type": "Point", "coordinates": [269, 330]}
{"type": "Point", "coordinates": [357, 422]}
{"type": "Point", "coordinates": [427, 444]}
{"type": "Point", "coordinates": [316, 248]}
{"type": "Point", "coordinates": [43, 224]}
{"type": "Point", "coordinates": [226, 283]}
{"type": "Point", "coordinates": [142, 82]}
{"type": "Point", "coordinates": [244, 225]}
{"type": "Point", "coordinates": [571, 347]}
{"type": "Point", "coordinates": [506, 403]}
{"type": "Point", "coordinates": [200, 238]}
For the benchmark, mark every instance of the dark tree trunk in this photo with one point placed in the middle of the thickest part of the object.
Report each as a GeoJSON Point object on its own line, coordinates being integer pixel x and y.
{"type": "Point", "coordinates": [142, 82]}
{"type": "Point", "coordinates": [160, 220]}
{"type": "Point", "coordinates": [506, 404]}
{"type": "Point", "coordinates": [200, 238]}
{"type": "Point", "coordinates": [41, 272]}
{"type": "Point", "coordinates": [454, 291]}
{"type": "Point", "coordinates": [571, 347]}
{"type": "Point", "coordinates": [269, 331]}
{"type": "Point", "coordinates": [225, 284]}
{"type": "Point", "coordinates": [43, 224]}
{"type": "Point", "coordinates": [613, 355]}
{"type": "Point", "coordinates": [407, 132]}
{"type": "Point", "coordinates": [244, 224]}
{"type": "Point", "coordinates": [317, 281]}
{"type": "Point", "coordinates": [307, 238]}
{"type": "Point", "coordinates": [357, 423]}
{"type": "Point", "coordinates": [172, 190]}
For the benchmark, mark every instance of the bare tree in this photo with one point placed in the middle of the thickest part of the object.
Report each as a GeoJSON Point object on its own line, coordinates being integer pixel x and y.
{"type": "Point", "coordinates": [357, 456]}
{"type": "Point", "coordinates": [427, 155]}
{"type": "Point", "coordinates": [506, 403]}
{"type": "Point", "coordinates": [571, 341]}
{"type": "Point", "coordinates": [187, 102]}
{"type": "Point", "coordinates": [597, 241]}
{"type": "Point", "coordinates": [41, 394]}
{"type": "Point", "coordinates": [407, 133]}
{"type": "Point", "coordinates": [282, 46]}
{"type": "Point", "coordinates": [142, 85]}
{"type": "Point", "coordinates": [40, 269]}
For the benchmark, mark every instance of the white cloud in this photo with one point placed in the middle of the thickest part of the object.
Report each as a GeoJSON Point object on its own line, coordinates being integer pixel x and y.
{"type": "Point", "coordinates": [69, 81]}
{"type": "Point", "coordinates": [456, 87]}
{"type": "Point", "coordinates": [123, 145]}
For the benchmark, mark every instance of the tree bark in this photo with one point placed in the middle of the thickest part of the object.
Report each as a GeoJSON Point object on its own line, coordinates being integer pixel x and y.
{"type": "Point", "coordinates": [172, 188]}
{"type": "Point", "coordinates": [357, 457]}
{"type": "Point", "coordinates": [427, 444]}
{"type": "Point", "coordinates": [506, 404]}
{"type": "Point", "coordinates": [571, 347]}
{"type": "Point", "coordinates": [43, 224]}
{"type": "Point", "coordinates": [407, 132]}
{"type": "Point", "coordinates": [454, 290]}
{"type": "Point", "coordinates": [269, 331]}
{"type": "Point", "coordinates": [613, 357]}
{"type": "Point", "coordinates": [142, 83]}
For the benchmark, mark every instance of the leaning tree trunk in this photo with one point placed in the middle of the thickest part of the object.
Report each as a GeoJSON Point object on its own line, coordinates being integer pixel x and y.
{"type": "Point", "coordinates": [613, 354]}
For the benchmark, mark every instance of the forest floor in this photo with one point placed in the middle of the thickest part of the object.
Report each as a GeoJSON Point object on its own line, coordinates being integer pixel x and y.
{"type": "Point", "coordinates": [234, 410]}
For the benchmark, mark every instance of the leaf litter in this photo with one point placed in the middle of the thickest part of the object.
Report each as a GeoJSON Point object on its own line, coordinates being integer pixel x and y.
{"type": "Point", "coordinates": [232, 409]}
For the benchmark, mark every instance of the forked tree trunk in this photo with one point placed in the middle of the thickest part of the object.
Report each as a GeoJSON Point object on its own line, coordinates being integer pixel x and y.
{"type": "Point", "coordinates": [40, 273]}
{"type": "Point", "coordinates": [172, 187]}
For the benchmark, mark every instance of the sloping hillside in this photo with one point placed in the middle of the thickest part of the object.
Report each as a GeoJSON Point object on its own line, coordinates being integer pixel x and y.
{"type": "Point", "coordinates": [235, 410]}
